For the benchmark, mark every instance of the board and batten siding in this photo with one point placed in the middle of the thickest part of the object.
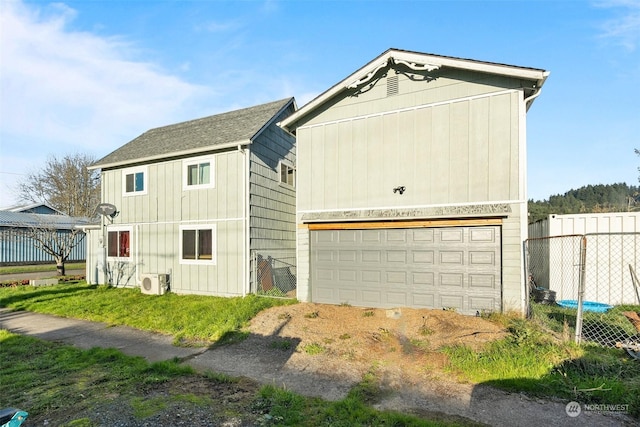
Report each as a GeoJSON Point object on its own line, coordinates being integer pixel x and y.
{"type": "Point", "coordinates": [456, 84]}
{"type": "Point", "coordinates": [156, 217]}
{"type": "Point", "coordinates": [459, 152]}
{"type": "Point", "coordinates": [272, 204]}
{"type": "Point", "coordinates": [455, 141]}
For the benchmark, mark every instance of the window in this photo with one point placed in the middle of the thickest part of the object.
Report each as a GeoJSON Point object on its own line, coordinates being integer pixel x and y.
{"type": "Point", "coordinates": [134, 181]}
{"type": "Point", "coordinates": [199, 173]}
{"type": "Point", "coordinates": [119, 243]}
{"type": "Point", "coordinates": [197, 244]}
{"type": "Point", "coordinates": [287, 174]}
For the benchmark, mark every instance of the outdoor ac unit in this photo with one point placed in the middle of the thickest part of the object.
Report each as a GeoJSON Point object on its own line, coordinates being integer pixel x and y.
{"type": "Point", "coordinates": [154, 284]}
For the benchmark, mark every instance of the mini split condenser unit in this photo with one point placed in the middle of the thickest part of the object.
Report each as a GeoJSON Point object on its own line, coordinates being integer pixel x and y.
{"type": "Point", "coordinates": [154, 284]}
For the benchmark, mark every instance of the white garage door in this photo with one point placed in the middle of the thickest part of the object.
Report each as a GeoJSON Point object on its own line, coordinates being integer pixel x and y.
{"type": "Point", "coordinates": [445, 267]}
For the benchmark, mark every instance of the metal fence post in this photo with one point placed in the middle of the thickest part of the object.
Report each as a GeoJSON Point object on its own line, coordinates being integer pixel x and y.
{"type": "Point", "coordinates": [581, 286]}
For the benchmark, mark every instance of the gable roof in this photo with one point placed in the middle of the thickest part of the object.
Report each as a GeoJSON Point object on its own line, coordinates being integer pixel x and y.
{"type": "Point", "coordinates": [195, 136]}
{"type": "Point", "coordinates": [40, 208]}
{"type": "Point", "coordinates": [421, 61]}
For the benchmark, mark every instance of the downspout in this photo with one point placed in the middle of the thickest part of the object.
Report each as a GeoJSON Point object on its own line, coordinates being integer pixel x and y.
{"type": "Point", "coordinates": [245, 219]}
{"type": "Point", "coordinates": [533, 96]}
{"type": "Point", "coordinates": [137, 255]}
{"type": "Point", "coordinates": [524, 291]}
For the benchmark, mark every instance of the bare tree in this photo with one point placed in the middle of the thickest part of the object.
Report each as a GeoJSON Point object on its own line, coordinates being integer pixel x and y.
{"type": "Point", "coordinates": [65, 184]}
{"type": "Point", "coordinates": [50, 237]}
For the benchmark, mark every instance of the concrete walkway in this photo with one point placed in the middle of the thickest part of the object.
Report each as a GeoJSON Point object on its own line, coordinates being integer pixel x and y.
{"type": "Point", "coordinates": [251, 358]}
{"type": "Point", "coordinates": [254, 359]}
{"type": "Point", "coordinates": [38, 275]}
{"type": "Point", "coordinates": [87, 335]}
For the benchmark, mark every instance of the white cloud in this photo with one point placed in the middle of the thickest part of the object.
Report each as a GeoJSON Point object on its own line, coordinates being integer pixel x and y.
{"type": "Point", "coordinates": [624, 28]}
{"type": "Point", "coordinates": [65, 91]}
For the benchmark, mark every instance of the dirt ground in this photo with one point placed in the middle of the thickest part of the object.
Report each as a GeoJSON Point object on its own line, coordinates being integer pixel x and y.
{"type": "Point", "coordinates": [324, 350]}
{"type": "Point", "coordinates": [398, 345]}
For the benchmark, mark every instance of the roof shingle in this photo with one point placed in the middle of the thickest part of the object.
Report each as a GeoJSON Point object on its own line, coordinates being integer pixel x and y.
{"type": "Point", "coordinates": [207, 132]}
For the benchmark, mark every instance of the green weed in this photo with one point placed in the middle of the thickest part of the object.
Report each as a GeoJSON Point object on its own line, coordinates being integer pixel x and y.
{"type": "Point", "coordinates": [313, 349]}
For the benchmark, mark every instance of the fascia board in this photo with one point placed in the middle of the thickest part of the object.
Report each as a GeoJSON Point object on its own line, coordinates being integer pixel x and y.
{"type": "Point", "coordinates": [533, 74]}
{"type": "Point", "coordinates": [148, 159]}
{"type": "Point", "coordinates": [272, 119]}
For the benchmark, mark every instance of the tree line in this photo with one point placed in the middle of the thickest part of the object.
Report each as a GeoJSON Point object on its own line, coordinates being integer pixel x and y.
{"type": "Point", "coordinates": [600, 198]}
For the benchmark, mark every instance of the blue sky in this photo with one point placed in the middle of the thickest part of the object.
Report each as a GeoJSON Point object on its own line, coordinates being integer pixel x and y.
{"type": "Point", "coordinates": [89, 76]}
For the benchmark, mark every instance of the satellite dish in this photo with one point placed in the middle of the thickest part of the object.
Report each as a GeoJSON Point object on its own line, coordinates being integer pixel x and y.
{"type": "Point", "coordinates": [107, 209]}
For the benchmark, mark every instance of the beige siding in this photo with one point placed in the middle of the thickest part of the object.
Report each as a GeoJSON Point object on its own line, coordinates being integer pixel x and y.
{"type": "Point", "coordinates": [452, 141]}
{"type": "Point", "coordinates": [460, 152]}
{"type": "Point", "coordinates": [272, 204]}
{"type": "Point", "coordinates": [448, 85]}
{"type": "Point", "coordinates": [156, 218]}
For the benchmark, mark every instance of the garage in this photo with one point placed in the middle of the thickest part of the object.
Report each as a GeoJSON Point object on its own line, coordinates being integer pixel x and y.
{"type": "Point", "coordinates": [384, 265]}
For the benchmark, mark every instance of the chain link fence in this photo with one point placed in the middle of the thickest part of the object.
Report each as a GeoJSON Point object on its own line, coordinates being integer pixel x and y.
{"type": "Point", "coordinates": [274, 274]}
{"type": "Point", "coordinates": [592, 279]}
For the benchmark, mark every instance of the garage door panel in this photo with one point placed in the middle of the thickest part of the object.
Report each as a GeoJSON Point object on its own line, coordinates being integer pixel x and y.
{"type": "Point", "coordinates": [423, 300]}
{"type": "Point", "coordinates": [347, 256]}
{"type": "Point", "coordinates": [422, 278]}
{"type": "Point", "coordinates": [347, 276]}
{"type": "Point", "coordinates": [451, 301]}
{"type": "Point", "coordinates": [482, 234]}
{"type": "Point", "coordinates": [325, 255]}
{"type": "Point", "coordinates": [451, 235]}
{"type": "Point", "coordinates": [397, 257]}
{"type": "Point", "coordinates": [482, 281]}
{"type": "Point", "coordinates": [416, 267]}
{"type": "Point", "coordinates": [396, 298]}
{"type": "Point", "coordinates": [369, 297]}
{"type": "Point", "coordinates": [482, 258]}
{"type": "Point", "coordinates": [324, 275]}
{"type": "Point", "coordinates": [480, 303]}
{"type": "Point", "coordinates": [347, 236]}
{"type": "Point", "coordinates": [451, 279]}
{"type": "Point", "coordinates": [372, 236]}
{"type": "Point", "coordinates": [371, 277]}
{"type": "Point", "coordinates": [397, 277]}
{"type": "Point", "coordinates": [346, 295]}
{"type": "Point", "coordinates": [422, 257]}
{"type": "Point", "coordinates": [423, 235]}
{"type": "Point", "coordinates": [398, 236]}
{"type": "Point", "coordinates": [371, 256]}
{"type": "Point", "coordinates": [451, 257]}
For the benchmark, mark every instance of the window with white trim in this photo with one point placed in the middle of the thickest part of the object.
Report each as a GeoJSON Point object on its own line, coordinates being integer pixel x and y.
{"type": "Point", "coordinates": [197, 244]}
{"type": "Point", "coordinates": [198, 173]}
{"type": "Point", "coordinates": [119, 243]}
{"type": "Point", "coordinates": [287, 173]}
{"type": "Point", "coordinates": [134, 181]}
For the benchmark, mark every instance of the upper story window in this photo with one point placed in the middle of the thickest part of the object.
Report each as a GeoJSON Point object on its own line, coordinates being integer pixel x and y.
{"type": "Point", "coordinates": [287, 174]}
{"type": "Point", "coordinates": [134, 181]}
{"type": "Point", "coordinates": [119, 243]}
{"type": "Point", "coordinates": [199, 173]}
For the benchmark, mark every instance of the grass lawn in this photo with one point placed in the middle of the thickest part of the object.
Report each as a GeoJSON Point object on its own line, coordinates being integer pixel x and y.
{"type": "Point", "coordinates": [65, 386]}
{"type": "Point", "coordinates": [537, 357]}
{"type": "Point", "coordinates": [190, 319]}
{"type": "Point", "coordinates": [17, 269]}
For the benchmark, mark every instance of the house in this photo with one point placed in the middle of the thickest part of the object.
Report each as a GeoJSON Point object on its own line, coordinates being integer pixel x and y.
{"type": "Point", "coordinates": [607, 244]}
{"type": "Point", "coordinates": [196, 206]}
{"type": "Point", "coordinates": [411, 185]}
{"type": "Point", "coordinates": [17, 245]}
{"type": "Point", "coordinates": [38, 208]}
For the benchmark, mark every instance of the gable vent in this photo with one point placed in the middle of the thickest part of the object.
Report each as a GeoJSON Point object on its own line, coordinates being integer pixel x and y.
{"type": "Point", "coordinates": [392, 85]}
